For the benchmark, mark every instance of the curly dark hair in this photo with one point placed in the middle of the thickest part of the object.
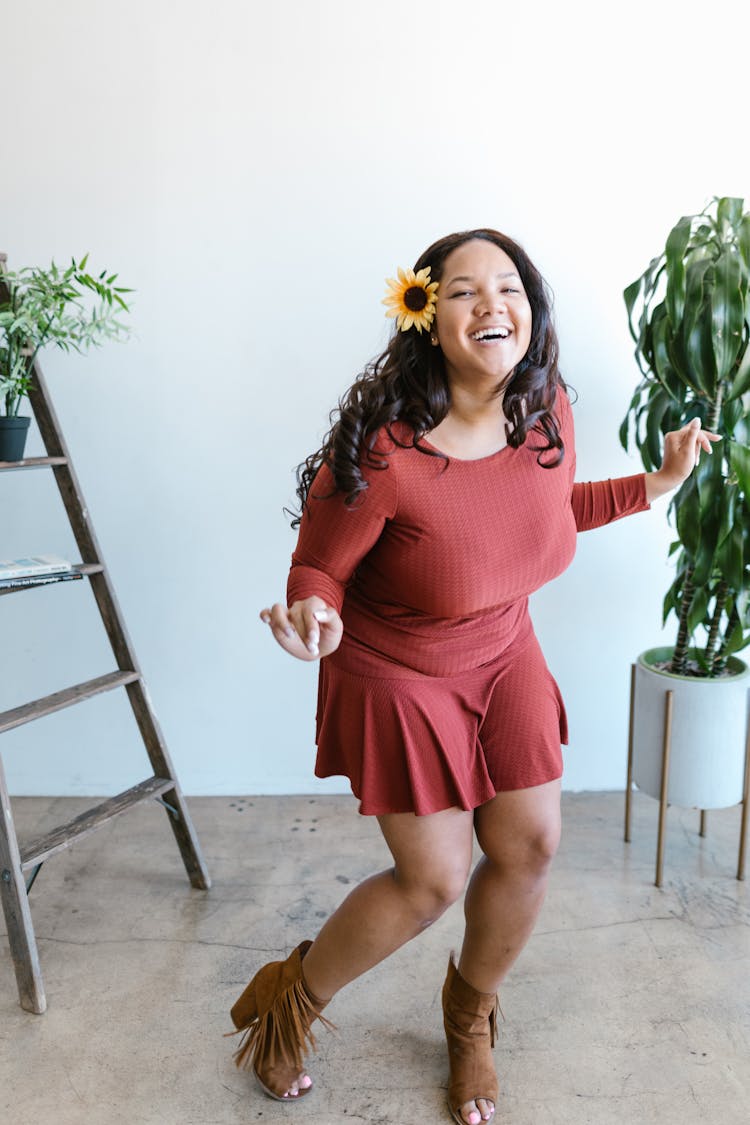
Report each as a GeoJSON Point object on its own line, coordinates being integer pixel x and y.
{"type": "Point", "coordinates": [408, 384]}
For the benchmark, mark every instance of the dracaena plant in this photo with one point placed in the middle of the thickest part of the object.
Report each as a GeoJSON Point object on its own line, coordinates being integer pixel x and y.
{"type": "Point", "coordinates": [689, 315]}
{"type": "Point", "coordinates": [66, 308]}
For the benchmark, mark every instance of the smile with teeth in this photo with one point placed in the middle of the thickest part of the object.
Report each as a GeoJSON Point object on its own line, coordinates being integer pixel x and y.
{"type": "Point", "coordinates": [496, 333]}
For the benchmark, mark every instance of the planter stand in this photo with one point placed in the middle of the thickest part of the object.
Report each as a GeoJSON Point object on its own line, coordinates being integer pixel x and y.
{"type": "Point", "coordinates": [663, 805]}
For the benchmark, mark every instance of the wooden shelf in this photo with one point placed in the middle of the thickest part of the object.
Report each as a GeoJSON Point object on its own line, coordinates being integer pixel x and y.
{"type": "Point", "coordinates": [36, 851]}
{"type": "Point", "coordinates": [32, 463]}
{"type": "Point", "coordinates": [48, 704]}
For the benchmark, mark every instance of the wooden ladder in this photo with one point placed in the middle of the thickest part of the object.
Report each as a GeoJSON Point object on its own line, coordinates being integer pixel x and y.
{"type": "Point", "coordinates": [15, 860]}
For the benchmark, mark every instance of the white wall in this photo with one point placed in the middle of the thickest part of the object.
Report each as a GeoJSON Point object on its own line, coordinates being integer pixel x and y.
{"type": "Point", "coordinates": [255, 171]}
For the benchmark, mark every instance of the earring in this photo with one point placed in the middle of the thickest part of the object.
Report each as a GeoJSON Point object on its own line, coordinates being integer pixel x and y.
{"type": "Point", "coordinates": [434, 341]}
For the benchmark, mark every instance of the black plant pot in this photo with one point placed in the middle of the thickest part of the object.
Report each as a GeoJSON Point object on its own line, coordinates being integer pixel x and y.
{"type": "Point", "coordinates": [13, 433]}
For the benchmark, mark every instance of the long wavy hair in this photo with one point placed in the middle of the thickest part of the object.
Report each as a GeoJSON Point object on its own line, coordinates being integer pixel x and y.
{"type": "Point", "coordinates": [408, 383]}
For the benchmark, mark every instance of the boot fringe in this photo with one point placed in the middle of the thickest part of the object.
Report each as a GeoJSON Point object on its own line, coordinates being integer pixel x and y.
{"type": "Point", "coordinates": [282, 1033]}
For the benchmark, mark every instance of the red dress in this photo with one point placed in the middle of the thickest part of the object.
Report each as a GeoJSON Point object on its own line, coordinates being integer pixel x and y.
{"type": "Point", "coordinates": [439, 695]}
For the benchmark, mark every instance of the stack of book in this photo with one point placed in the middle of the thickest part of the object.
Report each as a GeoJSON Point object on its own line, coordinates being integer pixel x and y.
{"type": "Point", "coordinates": [35, 571]}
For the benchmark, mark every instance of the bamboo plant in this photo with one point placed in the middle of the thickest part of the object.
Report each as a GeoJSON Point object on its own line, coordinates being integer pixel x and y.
{"type": "Point", "coordinates": [66, 308]}
{"type": "Point", "coordinates": [689, 314]}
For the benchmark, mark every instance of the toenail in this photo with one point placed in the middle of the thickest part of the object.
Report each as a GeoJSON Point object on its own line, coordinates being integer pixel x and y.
{"type": "Point", "coordinates": [474, 1117]}
{"type": "Point", "coordinates": [305, 1082]}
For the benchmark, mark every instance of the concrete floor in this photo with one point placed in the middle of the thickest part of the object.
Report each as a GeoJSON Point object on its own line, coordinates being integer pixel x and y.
{"type": "Point", "coordinates": [630, 1005]}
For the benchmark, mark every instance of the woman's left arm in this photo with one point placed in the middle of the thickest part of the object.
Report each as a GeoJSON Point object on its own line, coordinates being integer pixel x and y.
{"type": "Point", "coordinates": [600, 502]}
{"type": "Point", "coordinates": [681, 455]}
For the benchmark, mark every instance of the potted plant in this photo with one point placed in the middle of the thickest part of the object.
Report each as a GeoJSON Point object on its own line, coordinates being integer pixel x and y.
{"type": "Point", "coordinates": [66, 308]}
{"type": "Point", "coordinates": [689, 315]}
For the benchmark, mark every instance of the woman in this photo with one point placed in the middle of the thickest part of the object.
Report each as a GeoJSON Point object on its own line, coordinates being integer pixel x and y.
{"type": "Point", "coordinates": [441, 498]}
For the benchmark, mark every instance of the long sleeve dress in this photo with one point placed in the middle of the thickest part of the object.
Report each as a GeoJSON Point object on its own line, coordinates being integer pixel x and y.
{"type": "Point", "coordinates": [439, 695]}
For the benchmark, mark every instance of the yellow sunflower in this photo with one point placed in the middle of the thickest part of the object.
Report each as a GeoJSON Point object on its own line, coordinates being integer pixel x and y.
{"type": "Point", "coordinates": [412, 299]}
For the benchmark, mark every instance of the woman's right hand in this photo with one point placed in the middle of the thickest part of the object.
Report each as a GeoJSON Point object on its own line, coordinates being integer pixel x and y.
{"type": "Point", "coordinates": [308, 629]}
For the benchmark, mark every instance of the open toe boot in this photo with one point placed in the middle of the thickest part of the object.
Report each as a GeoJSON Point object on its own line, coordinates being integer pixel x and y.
{"type": "Point", "coordinates": [470, 1021]}
{"type": "Point", "coordinates": [274, 1013]}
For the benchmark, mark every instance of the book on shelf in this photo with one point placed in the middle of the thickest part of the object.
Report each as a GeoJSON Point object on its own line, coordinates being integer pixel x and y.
{"type": "Point", "coordinates": [38, 579]}
{"type": "Point", "coordinates": [34, 567]}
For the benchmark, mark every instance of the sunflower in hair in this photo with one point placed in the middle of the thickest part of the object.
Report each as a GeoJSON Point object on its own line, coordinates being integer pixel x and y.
{"type": "Point", "coordinates": [412, 299]}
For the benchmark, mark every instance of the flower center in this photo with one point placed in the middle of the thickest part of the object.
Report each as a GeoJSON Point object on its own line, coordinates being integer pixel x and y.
{"type": "Point", "coordinates": [415, 298]}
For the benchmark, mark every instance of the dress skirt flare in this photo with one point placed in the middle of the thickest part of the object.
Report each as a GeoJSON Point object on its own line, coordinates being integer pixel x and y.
{"type": "Point", "coordinates": [410, 742]}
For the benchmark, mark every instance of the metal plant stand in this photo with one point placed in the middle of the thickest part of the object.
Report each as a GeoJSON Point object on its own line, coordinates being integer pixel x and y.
{"type": "Point", "coordinates": [664, 788]}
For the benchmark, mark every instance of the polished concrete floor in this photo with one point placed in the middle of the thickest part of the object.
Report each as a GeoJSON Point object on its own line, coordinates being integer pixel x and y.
{"type": "Point", "coordinates": [630, 1005]}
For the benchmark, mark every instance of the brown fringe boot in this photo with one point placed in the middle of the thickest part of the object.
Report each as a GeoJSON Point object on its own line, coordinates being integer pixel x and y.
{"type": "Point", "coordinates": [275, 1012]}
{"type": "Point", "coordinates": [470, 1021]}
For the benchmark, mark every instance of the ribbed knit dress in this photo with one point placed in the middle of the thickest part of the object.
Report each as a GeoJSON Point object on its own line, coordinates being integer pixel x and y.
{"type": "Point", "coordinates": [439, 695]}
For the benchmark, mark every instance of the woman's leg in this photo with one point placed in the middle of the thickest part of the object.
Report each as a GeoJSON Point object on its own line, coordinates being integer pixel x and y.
{"type": "Point", "coordinates": [432, 858]}
{"type": "Point", "coordinates": [518, 833]}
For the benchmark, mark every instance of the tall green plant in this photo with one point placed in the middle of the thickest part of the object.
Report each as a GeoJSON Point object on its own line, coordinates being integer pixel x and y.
{"type": "Point", "coordinates": [66, 308]}
{"type": "Point", "coordinates": [689, 315]}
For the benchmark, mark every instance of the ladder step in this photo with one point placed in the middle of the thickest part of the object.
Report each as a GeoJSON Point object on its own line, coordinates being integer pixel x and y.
{"type": "Point", "coordinates": [33, 463]}
{"type": "Point", "coordinates": [38, 708]}
{"type": "Point", "coordinates": [36, 851]}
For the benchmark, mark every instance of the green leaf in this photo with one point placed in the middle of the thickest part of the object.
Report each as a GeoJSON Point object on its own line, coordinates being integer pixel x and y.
{"type": "Point", "coordinates": [677, 243]}
{"type": "Point", "coordinates": [673, 598]}
{"type": "Point", "coordinates": [727, 313]}
{"type": "Point", "coordinates": [662, 331]}
{"type": "Point", "coordinates": [731, 413]}
{"type": "Point", "coordinates": [741, 381]}
{"type": "Point", "coordinates": [743, 239]}
{"type": "Point", "coordinates": [739, 460]}
{"type": "Point", "coordinates": [727, 503]}
{"type": "Point", "coordinates": [729, 210]}
{"type": "Point", "coordinates": [657, 407]}
{"type": "Point", "coordinates": [630, 295]}
{"type": "Point", "coordinates": [696, 327]}
{"type": "Point", "coordinates": [730, 558]}
{"type": "Point", "coordinates": [698, 610]}
{"type": "Point", "coordinates": [687, 504]}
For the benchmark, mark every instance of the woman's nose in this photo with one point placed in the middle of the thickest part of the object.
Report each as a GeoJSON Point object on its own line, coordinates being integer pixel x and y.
{"type": "Point", "coordinates": [491, 302]}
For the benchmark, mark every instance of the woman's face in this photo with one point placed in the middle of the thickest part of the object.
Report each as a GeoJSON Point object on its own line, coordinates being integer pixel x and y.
{"type": "Point", "coordinates": [483, 319]}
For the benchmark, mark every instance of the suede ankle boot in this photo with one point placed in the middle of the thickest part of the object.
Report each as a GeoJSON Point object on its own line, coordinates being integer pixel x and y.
{"type": "Point", "coordinates": [275, 1013]}
{"type": "Point", "coordinates": [470, 1021]}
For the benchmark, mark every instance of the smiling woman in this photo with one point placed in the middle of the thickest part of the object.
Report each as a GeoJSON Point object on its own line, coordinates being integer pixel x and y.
{"type": "Point", "coordinates": [443, 496]}
{"type": "Point", "coordinates": [411, 381]}
{"type": "Point", "coordinates": [483, 329]}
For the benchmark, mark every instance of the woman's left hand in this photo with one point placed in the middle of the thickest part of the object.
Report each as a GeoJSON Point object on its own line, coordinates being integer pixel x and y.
{"type": "Point", "coordinates": [681, 454]}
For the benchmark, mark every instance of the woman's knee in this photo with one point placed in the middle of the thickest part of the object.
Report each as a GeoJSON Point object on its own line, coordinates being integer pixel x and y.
{"type": "Point", "coordinates": [520, 831]}
{"type": "Point", "coordinates": [542, 844]}
{"type": "Point", "coordinates": [432, 858]}
{"type": "Point", "coordinates": [430, 893]}
{"type": "Point", "coordinates": [529, 851]}
{"type": "Point", "coordinates": [534, 850]}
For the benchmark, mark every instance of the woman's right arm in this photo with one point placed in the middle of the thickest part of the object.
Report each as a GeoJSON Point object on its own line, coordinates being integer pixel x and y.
{"type": "Point", "coordinates": [308, 629]}
{"type": "Point", "coordinates": [333, 540]}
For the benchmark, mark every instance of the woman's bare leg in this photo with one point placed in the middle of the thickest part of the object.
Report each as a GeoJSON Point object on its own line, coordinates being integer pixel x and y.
{"type": "Point", "coordinates": [518, 833]}
{"type": "Point", "coordinates": [432, 859]}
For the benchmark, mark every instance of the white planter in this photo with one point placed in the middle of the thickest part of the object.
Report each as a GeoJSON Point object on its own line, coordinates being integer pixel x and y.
{"type": "Point", "coordinates": [709, 733]}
